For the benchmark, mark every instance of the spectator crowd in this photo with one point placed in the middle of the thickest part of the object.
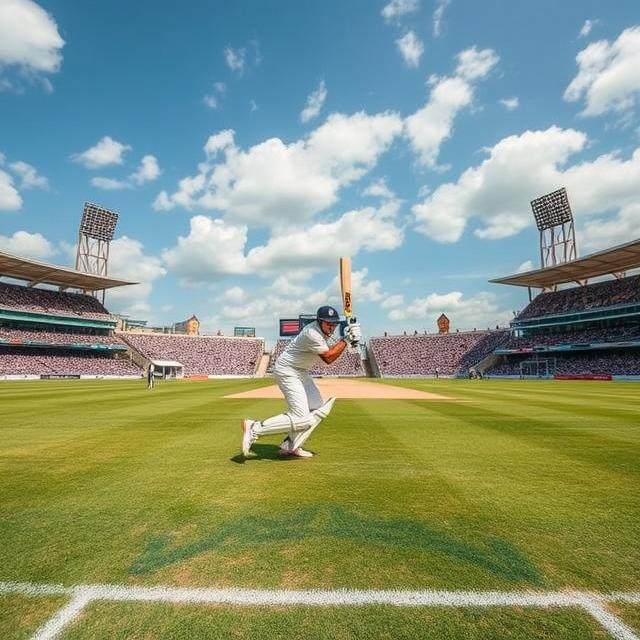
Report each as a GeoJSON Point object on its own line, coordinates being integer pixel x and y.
{"type": "Point", "coordinates": [56, 337]}
{"type": "Point", "coordinates": [447, 354]}
{"type": "Point", "coordinates": [600, 362]}
{"type": "Point", "coordinates": [46, 301]}
{"type": "Point", "coordinates": [592, 296]}
{"type": "Point", "coordinates": [32, 361]}
{"type": "Point", "coordinates": [583, 336]}
{"type": "Point", "coordinates": [201, 355]}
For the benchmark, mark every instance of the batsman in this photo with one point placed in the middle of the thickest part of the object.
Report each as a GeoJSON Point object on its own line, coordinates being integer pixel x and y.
{"type": "Point", "coordinates": [306, 408]}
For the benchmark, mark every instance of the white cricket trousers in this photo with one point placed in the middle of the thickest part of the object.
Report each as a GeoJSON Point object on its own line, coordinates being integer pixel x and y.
{"type": "Point", "coordinates": [306, 407]}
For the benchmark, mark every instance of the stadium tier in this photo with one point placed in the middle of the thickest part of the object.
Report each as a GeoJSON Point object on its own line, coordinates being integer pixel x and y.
{"type": "Point", "coordinates": [47, 302]}
{"type": "Point", "coordinates": [447, 354]}
{"type": "Point", "coordinates": [15, 361]}
{"type": "Point", "coordinates": [596, 363]}
{"type": "Point", "coordinates": [348, 364]}
{"type": "Point", "coordinates": [590, 330]}
{"type": "Point", "coordinates": [46, 333]}
{"type": "Point", "coordinates": [611, 293]}
{"type": "Point", "coordinates": [559, 337]}
{"type": "Point", "coordinates": [62, 337]}
{"type": "Point", "coordinates": [200, 355]}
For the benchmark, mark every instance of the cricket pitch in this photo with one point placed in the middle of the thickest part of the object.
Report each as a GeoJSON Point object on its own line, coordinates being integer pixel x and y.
{"type": "Point", "coordinates": [353, 389]}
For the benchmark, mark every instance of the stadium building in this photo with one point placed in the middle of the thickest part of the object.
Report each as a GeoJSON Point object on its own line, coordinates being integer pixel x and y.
{"type": "Point", "coordinates": [49, 333]}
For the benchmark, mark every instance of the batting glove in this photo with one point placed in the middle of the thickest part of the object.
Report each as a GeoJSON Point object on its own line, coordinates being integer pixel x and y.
{"type": "Point", "coordinates": [353, 334]}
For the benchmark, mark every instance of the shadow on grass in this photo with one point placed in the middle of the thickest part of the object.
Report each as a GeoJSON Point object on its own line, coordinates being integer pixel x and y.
{"type": "Point", "coordinates": [263, 452]}
{"type": "Point", "coordinates": [329, 521]}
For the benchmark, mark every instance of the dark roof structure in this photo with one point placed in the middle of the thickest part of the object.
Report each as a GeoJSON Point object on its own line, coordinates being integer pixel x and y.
{"type": "Point", "coordinates": [35, 272]}
{"type": "Point", "coordinates": [614, 260]}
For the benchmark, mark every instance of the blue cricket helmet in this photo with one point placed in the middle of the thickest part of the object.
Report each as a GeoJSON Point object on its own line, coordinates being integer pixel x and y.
{"type": "Point", "coordinates": [328, 314]}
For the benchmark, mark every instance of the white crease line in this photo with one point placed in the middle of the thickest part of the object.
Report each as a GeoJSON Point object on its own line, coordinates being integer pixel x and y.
{"type": "Point", "coordinates": [65, 616]}
{"type": "Point", "coordinates": [632, 598]}
{"type": "Point", "coordinates": [592, 603]}
{"type": "Point", "coordinates": [31, 589]}
{"type": "Point", "coordinates": [611, 622]}
{"type": "Point", "coordinates": [322, 597]}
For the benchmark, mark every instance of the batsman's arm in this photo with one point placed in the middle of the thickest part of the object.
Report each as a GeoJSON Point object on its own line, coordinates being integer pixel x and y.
{"type": "Point", "coordinates": [334, 352]}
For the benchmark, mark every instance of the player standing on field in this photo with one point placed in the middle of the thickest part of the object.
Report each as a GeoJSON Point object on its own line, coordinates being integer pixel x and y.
{"type": "Point", "coordinates": [291, 371]}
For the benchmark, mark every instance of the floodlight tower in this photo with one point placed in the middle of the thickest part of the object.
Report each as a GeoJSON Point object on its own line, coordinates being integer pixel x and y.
{"type": "Point", "coordinates": [94, 236]}
{"type": "Point", "coordinates": [555, 223]}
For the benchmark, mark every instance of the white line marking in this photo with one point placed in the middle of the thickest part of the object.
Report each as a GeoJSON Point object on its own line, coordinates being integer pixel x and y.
{"type": "Point", "coordinates": [65, 616]}
{"type": "Point", "coordinates": [30, 589]}
{"type": "Point", "coordinates": [633, 598]}
{"type": "Point", "coordinates": [608, 620]}
{"type": "Point", "coordinates": [592, 603]}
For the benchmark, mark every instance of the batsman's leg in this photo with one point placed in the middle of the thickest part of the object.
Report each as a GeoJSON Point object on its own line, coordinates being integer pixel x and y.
{"type": "Point", "coordinates": [319, 414]}
{"type": "Point", "coordinates": [297, 418]}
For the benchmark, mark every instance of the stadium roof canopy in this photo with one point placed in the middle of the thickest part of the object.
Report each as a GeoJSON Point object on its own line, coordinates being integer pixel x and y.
{"type": "Point", "coordinates": [613, 260]}
{"type": "Point", "coordinates": [35, 272]}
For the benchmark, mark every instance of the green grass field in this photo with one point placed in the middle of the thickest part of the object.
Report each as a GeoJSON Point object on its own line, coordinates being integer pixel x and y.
{"type": "Point", "coordinates": [516, 486]}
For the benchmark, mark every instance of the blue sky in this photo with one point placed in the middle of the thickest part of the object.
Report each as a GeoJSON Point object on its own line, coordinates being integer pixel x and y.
{"type": "Point", "coordinates": [247, 145]}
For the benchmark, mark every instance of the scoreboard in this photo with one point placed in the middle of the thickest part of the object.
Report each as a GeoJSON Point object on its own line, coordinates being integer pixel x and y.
{"type": "Point", "coordinates": [291, 327]}
{"type": "Point", "coordinates": [244, 332]}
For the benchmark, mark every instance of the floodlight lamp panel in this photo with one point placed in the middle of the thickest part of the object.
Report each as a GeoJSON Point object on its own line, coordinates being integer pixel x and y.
{"type": "Point", "coordinates": [552, 209]}
{"type": "Point", "coordinates": [98, 222]}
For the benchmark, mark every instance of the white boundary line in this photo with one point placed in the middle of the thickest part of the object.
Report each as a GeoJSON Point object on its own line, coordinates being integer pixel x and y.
{"type": "Point", "coordinates": [593, 603]}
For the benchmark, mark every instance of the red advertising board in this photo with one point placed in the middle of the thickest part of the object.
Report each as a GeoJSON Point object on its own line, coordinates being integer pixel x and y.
{"type": "Point", "coordinates": [567, 376]}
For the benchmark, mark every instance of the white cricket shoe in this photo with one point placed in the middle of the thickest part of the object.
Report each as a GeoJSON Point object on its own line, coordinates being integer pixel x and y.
{"type": "Point", "coordinates": [301, 453]}
{"type": "Point", "coordinates": [248, 437]}
{"type": "Point", "coordinates": [285, 450]}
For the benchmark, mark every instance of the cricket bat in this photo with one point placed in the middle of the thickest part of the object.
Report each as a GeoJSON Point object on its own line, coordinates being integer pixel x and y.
{"type": "Point", "coordinates": [345, 287]}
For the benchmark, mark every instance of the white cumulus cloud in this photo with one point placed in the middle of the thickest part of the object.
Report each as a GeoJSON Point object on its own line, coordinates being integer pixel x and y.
{"type": "Point", "coordinates": [29, 245]}
{"type": "Point", "coordinates": [479, 311]}
{"type": "Point", "coordinates": [608, 75]}
{"type": "Point", "coordinates": [127, 260]}
{"type": "Point", "coordinates": [393, 301]}
{"type": "Point", "coordinates": [110, 184]}
{"type": "Point", "coordinates": [510, 103]}
{"type": "Point", "coordinates": [438, 14]}
{"type": "Point", "coordinates": [30, 178]}
{"type": "Point", "coordinates": [210, 101]}
{"type": "Point", "coordinates": [411, 48]}
{"type": "Point", "coordinates": [235, 59]}
{"type": "Point", "coordinates": [234, 294]}
{"type": "Point", "coordinates": [10, 198]}
{"type": "Point", "coordinates": [498, 191]}
{"type": "Point", "coordinates": [587, 27]}
{"type": "Point", "coordinates": [527, 265]}
{"type": "Point", "coordinates": [379, 189]}
{"type": "Point", "coordinates": [212, 250]}
{"type": "Point", "coordinates": [397, 8]}
{"type": "Point", "coordinates": [106, 152]}
{"type": "Point", "coordinates": [522, 167]}
{"type": "Point", "coordinates": [431, 125]}
{"type": "Point", "coordinates": [278, 184]}
{"type": "Point", "coordinates": [216, 248]}
{"type": "Point", "coordinates": [29, 40]}
{"type": "Point", "coordinates": [322, 244]}
{"type": "Point", "coordinates": [314, 103]}
{"type": "Point", "coordinates": [147, 171]}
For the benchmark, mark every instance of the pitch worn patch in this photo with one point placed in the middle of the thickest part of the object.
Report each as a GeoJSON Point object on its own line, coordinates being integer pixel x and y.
{"type": "Point", "coordinates": [349, 389]}
{"type": "Point", "coordinates": [494, 555]}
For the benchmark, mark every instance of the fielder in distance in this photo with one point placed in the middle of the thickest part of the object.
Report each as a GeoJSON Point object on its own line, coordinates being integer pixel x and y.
{"type": "Point", "coordinates": [306, 407]}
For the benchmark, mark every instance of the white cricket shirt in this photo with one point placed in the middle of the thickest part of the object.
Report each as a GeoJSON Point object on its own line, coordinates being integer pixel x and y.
{"type": "Point", "coordinates": [302, 352]}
